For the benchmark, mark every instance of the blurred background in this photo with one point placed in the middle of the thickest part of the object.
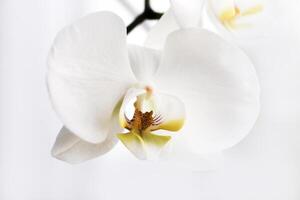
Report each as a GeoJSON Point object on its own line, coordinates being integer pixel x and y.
{"type": "Point", "coordinates": [264, 166]}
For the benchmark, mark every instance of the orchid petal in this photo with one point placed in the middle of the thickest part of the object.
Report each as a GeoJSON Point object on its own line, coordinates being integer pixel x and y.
{"type": "Point", "coordinates": [223, 5]}
{"type": "Point", "coordinates": [143, 61]}
{"type": "Point", "coordinates": [188, 13]}
{"type": "Point", "coordinates": [158, 34]}
{"type": "Point", "coordinates": [89, 72]}
{"type": "Point", "coordinates": [218, 85]}
{"type": "Point", "coordinates": [70, 148]}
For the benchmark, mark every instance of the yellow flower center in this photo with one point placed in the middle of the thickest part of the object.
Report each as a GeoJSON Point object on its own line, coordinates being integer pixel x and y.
{"type": "Point", "coordinates": [140, 138]}
{"type": "Point", "coordinates": [143, 122]}
{"type": "Point", "coordinates": [229, 16]}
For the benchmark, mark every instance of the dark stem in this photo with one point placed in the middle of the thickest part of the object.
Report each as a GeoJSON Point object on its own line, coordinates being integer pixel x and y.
{"type": "Point", "coordinates": [148, 14]}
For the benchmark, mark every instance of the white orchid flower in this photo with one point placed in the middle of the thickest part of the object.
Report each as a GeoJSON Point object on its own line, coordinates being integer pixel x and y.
{"type": "Point", "coordinates": [237, 20]}
{"type": "Point", "coordinates": [236, 15]}
{"type": "Point", "coordinates": [199, 93]}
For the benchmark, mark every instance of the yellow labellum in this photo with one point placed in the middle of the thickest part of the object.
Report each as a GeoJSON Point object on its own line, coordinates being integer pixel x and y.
{"type": "Point", "coordinates": [140, 139]}
{"type": "Point", "coordinates": [140, 144]}
{"type": "Point", "coordinates": [172, 125]}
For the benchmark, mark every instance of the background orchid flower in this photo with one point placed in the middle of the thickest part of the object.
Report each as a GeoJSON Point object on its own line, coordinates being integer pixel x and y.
{"type": "Point", "coordinates": [242, 19]}
{"type": "Point", "coordinates": [199, 93]}
{"type": "Point", "coordinates": [237, 20]}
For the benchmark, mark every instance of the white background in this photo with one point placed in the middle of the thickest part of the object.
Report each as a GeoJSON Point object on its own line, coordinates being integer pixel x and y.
{"type": "Point", "coordinates": [265, 166]}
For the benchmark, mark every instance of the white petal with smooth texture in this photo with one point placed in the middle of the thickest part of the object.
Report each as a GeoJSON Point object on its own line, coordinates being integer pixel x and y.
{"type": "Point", "coordinates": [218, 85]}
{"type": "Point", "coordinates": [159, 32]}
{"type": "Point", "coordinates": [220, 5]}
{"type": "Point", "coordinates": [144, 62]}
{"type": "Point", "coordinates": [89, 72]}
{"type": "Point", "coordinates": [187, 12]}
{"type": "Point", "coordinates": [70, 148]}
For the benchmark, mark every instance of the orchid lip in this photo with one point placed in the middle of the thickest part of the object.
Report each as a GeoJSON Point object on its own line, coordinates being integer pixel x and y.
{"type": "Point", "coordinates": [149, 116]}
{"type": "Point", "coordinates": [144, 121]}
